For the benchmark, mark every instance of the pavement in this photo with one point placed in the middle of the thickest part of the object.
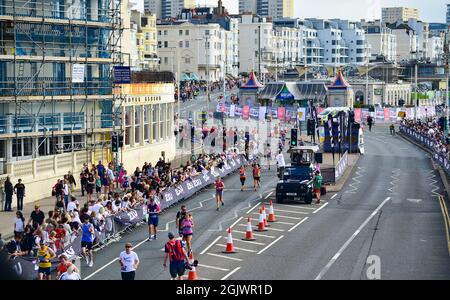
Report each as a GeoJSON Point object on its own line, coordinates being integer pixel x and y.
{"type": "Point", "coordinates": [386, 218]}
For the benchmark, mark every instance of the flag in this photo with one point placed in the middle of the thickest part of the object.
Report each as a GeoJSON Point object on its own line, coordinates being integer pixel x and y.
{"type": "Point", "coordinates": [302, 114]}
{"type": "Point", "coordinates": [262, 113]}
{"type": "Point", "coordinates": [232, 110]}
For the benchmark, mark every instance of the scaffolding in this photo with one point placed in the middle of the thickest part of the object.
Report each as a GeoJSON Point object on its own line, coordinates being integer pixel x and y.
{"type": "Point", "coordinates": [56, 83]}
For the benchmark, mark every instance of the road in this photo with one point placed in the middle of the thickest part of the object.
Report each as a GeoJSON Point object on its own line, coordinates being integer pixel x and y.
{"type": "Point", "coordinates": [388, 210]}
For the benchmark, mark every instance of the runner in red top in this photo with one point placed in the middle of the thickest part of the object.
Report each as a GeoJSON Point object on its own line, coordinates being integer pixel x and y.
{"type": "Point", "coordinates": [256, 176]}
{"type": "Point", "coordinates": [242, 177]}
{"type": "Point", "coordinates": [219, 191]}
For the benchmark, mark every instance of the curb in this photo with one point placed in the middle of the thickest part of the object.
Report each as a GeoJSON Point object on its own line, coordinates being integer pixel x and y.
{"type": "Point", "coordinates": [338, 187]}
{"type": "Point", "coordinates": [444, 177]}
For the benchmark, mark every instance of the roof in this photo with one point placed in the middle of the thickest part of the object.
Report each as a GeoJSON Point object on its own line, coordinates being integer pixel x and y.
{"type": "Point", "coordinates": [294, 91]}
{"type": "Point", "coordinates": [304, 148]}
{"type": "Point", "coordinates": [252, 82]}
{"type": "Point", "coordinates": [339, 82]}
{"type": "Point", "coordinates": [271, 90]}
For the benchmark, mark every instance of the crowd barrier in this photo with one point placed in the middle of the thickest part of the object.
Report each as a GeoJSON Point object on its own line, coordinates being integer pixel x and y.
{"type": "Point", "coordinates": [429, 144]}
{"type": "Point", "coordinates": [27, 266]}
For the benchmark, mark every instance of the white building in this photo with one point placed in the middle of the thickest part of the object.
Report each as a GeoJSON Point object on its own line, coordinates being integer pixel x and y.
{"type": "Point", "coordinates": [407, 41]}
{"type": "Point", "coordinates": [268, 8]}
{"type": "Point", "coordinates": [381, 39]}
{"type": "Point", "coordinates": [402, 14]}
{"type": "Point", "coordinates": [435, 49]}
{"type": "Point", "coordinates": [165, 9]}
{"type": "Point", "coordinates": [353, 34]}
{"type": "Point", "coordinates": [255, 33]}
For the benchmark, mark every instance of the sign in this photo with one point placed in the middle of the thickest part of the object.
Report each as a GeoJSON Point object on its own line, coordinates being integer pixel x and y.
{"type": "Point", "coordinates": [78, 73]}
{"type": "Point", "coordinates": [301, 112]}
{"type": "Point", "coordinates": [285, 95]}
{"type": "Point", "coordinates": [387, 114]}
{"type": "Point", "coordinates": [122, 75]}
{"type": "Point", "coordinates": [246, 112]}
{"type": "Point", "coordinates": [378, 92]}
{"type": "Point", "coordinates": [262, 113]}
{"type": "Point", "coordinates": [281, 113]}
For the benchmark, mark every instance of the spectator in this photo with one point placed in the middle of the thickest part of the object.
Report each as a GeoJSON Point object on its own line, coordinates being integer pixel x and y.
{"type": "Point", "coordinates": [177, 255]}
{"type": "Point", "coordinates": [19, 190]}
{"type": "Point", "coordinates": [71, 182]}
{"type": "Point", "coordinates": [19, 224]}
{"type": "Point", "coordinates": [51, 220]}
{"type": "Point", "coordinates": [9, 190]}
{"type": "Point", "coordinates": [14, 247]}
{"type": "Point", "coordinates": [37, 217]}
{"type": "Point", "coordinates": [83, 182]}
{"type": "Point", "coordinates": [73, 204]}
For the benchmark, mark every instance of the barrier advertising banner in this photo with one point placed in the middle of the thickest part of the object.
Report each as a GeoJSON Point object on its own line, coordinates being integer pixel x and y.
{"type": "Point", "coordinates": [246, 112]}
{"type": "Point", "coordinates": [281, 113]}
{"type": "Point", "coordinates": [387, 114]}
{"type": "Point", "coordinates": [358, 115]}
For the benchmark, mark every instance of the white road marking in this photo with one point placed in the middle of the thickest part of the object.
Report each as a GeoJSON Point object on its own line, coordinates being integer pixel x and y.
{"type": "Point", "coordinates": [111, 262]}
{"type": "Point", "coordinates": [256, 205]}
{"type": "Point", "coordinates": [298, 224]}
{"type": "Point", "coordinates": [250, 242]}
{"type": "Point", "coordinates": [332, 197]}
{"type": "Point", "coordinates": [317, 210]}
{"type": "Point", "coordinates": [201, 203]}
{"type": "Point", "coordinates": [294, 206]}
{"type": "Point", "coordinates": [270, 194]}
{"type": "Point", "coordinates": [256, 234]}
{"type": "Point", "coordinates": [291, 212]}
{"type": "Point", "coordinates": [223, 256]}
{"type": "Point", "coordinates": [210, 245]}
{"type": "Point", "coordinates": [278, 222]}
{"type": "Point", "coordinates": [214, 268]}
{"type": "Point", "coordinates": [237, 221]}
{"type": "Point", "coordinates": [237, 248]}
{"type": "Point", "coordinates": [267, 247]}
{"type": "Point", "coordinates": [231, 273]}
{"type": "Point", "coordinates": [336, 256]}
{"type": "Point", "coordinates": [269, 228]}
{"type": "Point", "coordinates": [167, 226]}
{"type": "Point", "coordinates": [414, 200]}
{"type": "Point", "coordinates": [281, 216]}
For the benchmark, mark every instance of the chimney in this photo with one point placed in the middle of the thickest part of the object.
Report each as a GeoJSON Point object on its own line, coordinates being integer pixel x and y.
{"type": "Point", "coordinates": [220, 8]}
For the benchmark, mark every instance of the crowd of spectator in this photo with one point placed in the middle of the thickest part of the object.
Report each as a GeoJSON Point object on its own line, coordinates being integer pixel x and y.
{"type": "Point", "coordinates": [192, 89]}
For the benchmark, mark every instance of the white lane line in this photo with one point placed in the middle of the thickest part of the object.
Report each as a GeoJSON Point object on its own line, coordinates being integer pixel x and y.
{"type": "Point", "coordinates": [210, 245]}
{"type": "Point", "coordinates": [268, 228]}
{"type": "Point", "coordinates": [281, 216]}
{"type": "Point", "coordinates": [237, 221]}
{"type": "Point", "coordinates": [293, 206]}
{"type": "Point", "coordinates": [257, 234]}
{"type": "Point", "coordinates": [278, 222]}
{"type": "Point", "coordinates": [201, 203]}
{"type": "Point", "coordinates": [167, 226]}
{"type": "Point", "coordinates": [292, 212]}
{"type": "Point", "coordinates": [250, 242]}
{"type": "Point", "coordinates": [223, 256]}
{"type": "Point", "coordinates": [336, 256]}
{"type": "Point", "coordinates": [332, 197]}
{"type": "Point", "coordinates": [267, 247]}
{"type": "Point", "coordinates": [298, 224]}
{"type": "Point", "coordinates": [256, 205]}
{"type": "Point", "coordinates": [231, 273]}
{"type": "Point", "coordinates": [237, 248]}
{"type": "Point", "coordinates": [111, 262]}
{"type": "Point", "coordinates": [214, 268]}
{"type": "Point", "coordinates": [317, 210]}
{"type": "Point", "coordinates": [270, 194]}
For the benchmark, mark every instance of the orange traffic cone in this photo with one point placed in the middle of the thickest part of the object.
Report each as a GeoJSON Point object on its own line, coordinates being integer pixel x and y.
{"type": "Point", "coordinates": [192, 273]}
{"type": "Point", "coordinates": [230, 246]}
{"type": "Point", "coordinates": [191, 255]}
{"type": "Point", "coordinates": [249, 232]}
{"type": "Point", "coordinates": [271, 213]}
{"type": "Point", "coordinates": [264, 215]}
{"type": "Point", "coordinates": [261, 226]}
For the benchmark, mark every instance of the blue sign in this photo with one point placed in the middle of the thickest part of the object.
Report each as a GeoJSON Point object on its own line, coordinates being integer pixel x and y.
{"type": "Point", "coordinates": [122, 75]}
{"type": "Point", "coordinates": [285, 95]}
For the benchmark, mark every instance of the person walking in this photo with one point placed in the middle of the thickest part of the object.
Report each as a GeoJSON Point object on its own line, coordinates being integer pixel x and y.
{"type": "Point", "coordinates": [219, 191]}
{"type": "Point", "coordinates": [9, 191]}
{"type": "Point", "coordinates": [177, 255]}
{"type": "Point", "coordinates": [153, 212]}
{"type": "Point", "coordinates": [242, 177]}
{"type": "Point", "coordinates": [19, 190]}
{"type": "Point", "coordinates": [281, 164]}
{"type": "Point", "coordinates": [129, 262]}
{"type": "Point", "coordinates": [317, 182]}
{"type": "Point", "coordinates": [256, 176]}
{"type": "Point", "coordinates": [370, 122]}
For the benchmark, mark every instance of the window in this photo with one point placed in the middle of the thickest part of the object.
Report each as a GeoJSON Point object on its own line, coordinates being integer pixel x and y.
{"type": "Point", "coordinates": [180, 44]}
{"type": "Point", "coordinates": [359, 50]}
{"type": "Point", "coordinates": [166, 60]}
{"type": "Point", "coordinates": [155, 131]}
{"type": "Point", "coordinates": [169, 120]}
{"type": "Point", "coordinates": [128, 125]}
{"type": "Point", "coordinates": [146, 123]}
{"type": "Point", "coordinates": [207, 32]}
{"type": "Point", "coordinates": [2, 149]}
{"type": "Point", "coordinates": [180, 32]}
{"type": "Point", "coordinates": [186, 32]}
{"type": "Point", "coordinates": [165, 32]}
{"type": "Point", "coordinates": [162, 121]}
{"type": "Point", "coordinates": [147, 36]}
{"type": "Point", "coordinates": [159, 32]}
{"type": "Point", "coordinates": [137, 124]}
{"type": "Point", "coordinates": [166, 44]}
{"type": "Point", "coordinates": [187, 60]}
{"type": "Point", "coordinates": [186, 44]}
{"type": "Point", "coordinates": [159, 44]}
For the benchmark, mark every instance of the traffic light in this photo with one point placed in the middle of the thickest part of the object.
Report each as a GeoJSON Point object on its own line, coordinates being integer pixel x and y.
{"type": "Point", "coordinates": [203, 117]}
{"type": "Point", "coordinates": [115, 143]}
{"type": "Point", "coordinates": [401, 102]}
{"type": "Point", "coordinates": [294, 137]}
{"type": "Point", "coordinates": [120, 141]}
{"type": "Point", "coordinates": [351, 117]}
{"type": "Point", "coordinates": [310, 126]}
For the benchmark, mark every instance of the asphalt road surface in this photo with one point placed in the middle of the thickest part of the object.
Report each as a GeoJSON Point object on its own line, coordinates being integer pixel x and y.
{"type": "Point", "coordinates": [385, 223]}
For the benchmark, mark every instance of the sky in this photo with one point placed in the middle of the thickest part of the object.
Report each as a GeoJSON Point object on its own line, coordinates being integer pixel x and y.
{"type": "Point", "coordinates": [430, 10]}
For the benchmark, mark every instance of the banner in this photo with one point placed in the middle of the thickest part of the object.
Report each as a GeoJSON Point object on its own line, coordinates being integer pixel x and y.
{"type": "Point", "coordinates": [262, 113]}
{"type": "Point", "coordinates": [281, 113]}
{"type": "Point", "coordinates": [246, 112]}
{"type": "Point", "coordinates": [387, 114]}
{"type": "Point", "coordinates": [232, 110]}
{"type": "Point", "coordinates": [301, 112]}
{"type": "Point", "coordinates": [358, 115]}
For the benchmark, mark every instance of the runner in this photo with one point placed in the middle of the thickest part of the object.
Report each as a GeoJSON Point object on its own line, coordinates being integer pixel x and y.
{"type": "Point", "coordinates": [87, 240]}
{"type": "Point", "coordinates": [181, 215]}
{"type": "Point", "coordinates": [219, 191]}
{"type": "Point", "coordinates": [64, 264]}
{"type": "Point", "coordinates": [153, 212]}
{"type": "Point", "coordinates": [44, 255]}
{"type": "Point", "coordinates": [256, 175]}
{"type": "Point", "coordinates": [317, 185]}
{"type": "Point", "coordinates": [187, 226]}
{"type": "Point", "coordinates": [129, 262]}
{"type": "Point", "coordinates": [177, 255]}
{"type": "Point", "coordinates": [242, 177]}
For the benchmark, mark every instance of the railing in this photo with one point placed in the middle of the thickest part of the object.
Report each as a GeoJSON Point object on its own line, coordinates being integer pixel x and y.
{"type": "Point", "coordinates": [430, 144]}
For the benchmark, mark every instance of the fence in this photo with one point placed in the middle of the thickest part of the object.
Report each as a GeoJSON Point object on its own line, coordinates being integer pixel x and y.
{"type": "Point", "coordinates": [333, 174]}
{"type": "Point", "coordinates": [125, 221]}
{"type": "Point", "coordinates": [428, 143]}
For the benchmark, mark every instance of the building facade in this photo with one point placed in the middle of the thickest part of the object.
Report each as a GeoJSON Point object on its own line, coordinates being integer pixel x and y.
{"type": "Point", "coordinates": [381, 39]}
{"type": "Point", "coordinates": [146, 41]}
{"type": "Point", "coordinates": [268, 8]}
{"type": "Point", "coordinates": [402, 14]}
{"type": "Point", "coordinates": [166, 9]}
{"type": "Point", "coordinates": [448, 15]}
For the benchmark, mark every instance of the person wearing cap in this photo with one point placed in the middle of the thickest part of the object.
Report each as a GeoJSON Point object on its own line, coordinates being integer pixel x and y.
{"type": "Point", "coordinates": [177, 255]}
{"type": "Point", "coordinates": [129, 262]}
{"type": "Point", "coordinates": [44, 255]}
{"type": "Point", "coordinates": [37, 217]}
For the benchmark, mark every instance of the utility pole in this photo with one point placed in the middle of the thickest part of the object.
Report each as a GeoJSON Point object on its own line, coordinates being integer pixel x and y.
{"type": "Point", "coordinates": [417, 91]}
{"type": "Point", "coordinates": [208, 47]}
{"type": "Point", "coordinates": [367, 84]}
{"type": "Point", "coordinates": [259, 52]}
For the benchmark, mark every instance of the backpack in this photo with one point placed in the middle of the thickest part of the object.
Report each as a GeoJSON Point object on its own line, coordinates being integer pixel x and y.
{"type": "Point", "coordinates": [175, 251]}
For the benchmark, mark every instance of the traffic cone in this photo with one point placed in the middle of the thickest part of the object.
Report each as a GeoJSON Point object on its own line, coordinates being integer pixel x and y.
{"type": "Point", "coordinates": [191, 255]}
{"type": "Point", "coordinates": [261, 226]}
{"type": "Point", "coordinates": [192, 275]}
{"type": "Point", "coordinates": [264, 215]}
{"type": "Point", "coordinates": [271, 213]}
{"type": "Point", "coordinates": [249, 232]}
{"type": "Point", "coordinates": [230, 246]}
